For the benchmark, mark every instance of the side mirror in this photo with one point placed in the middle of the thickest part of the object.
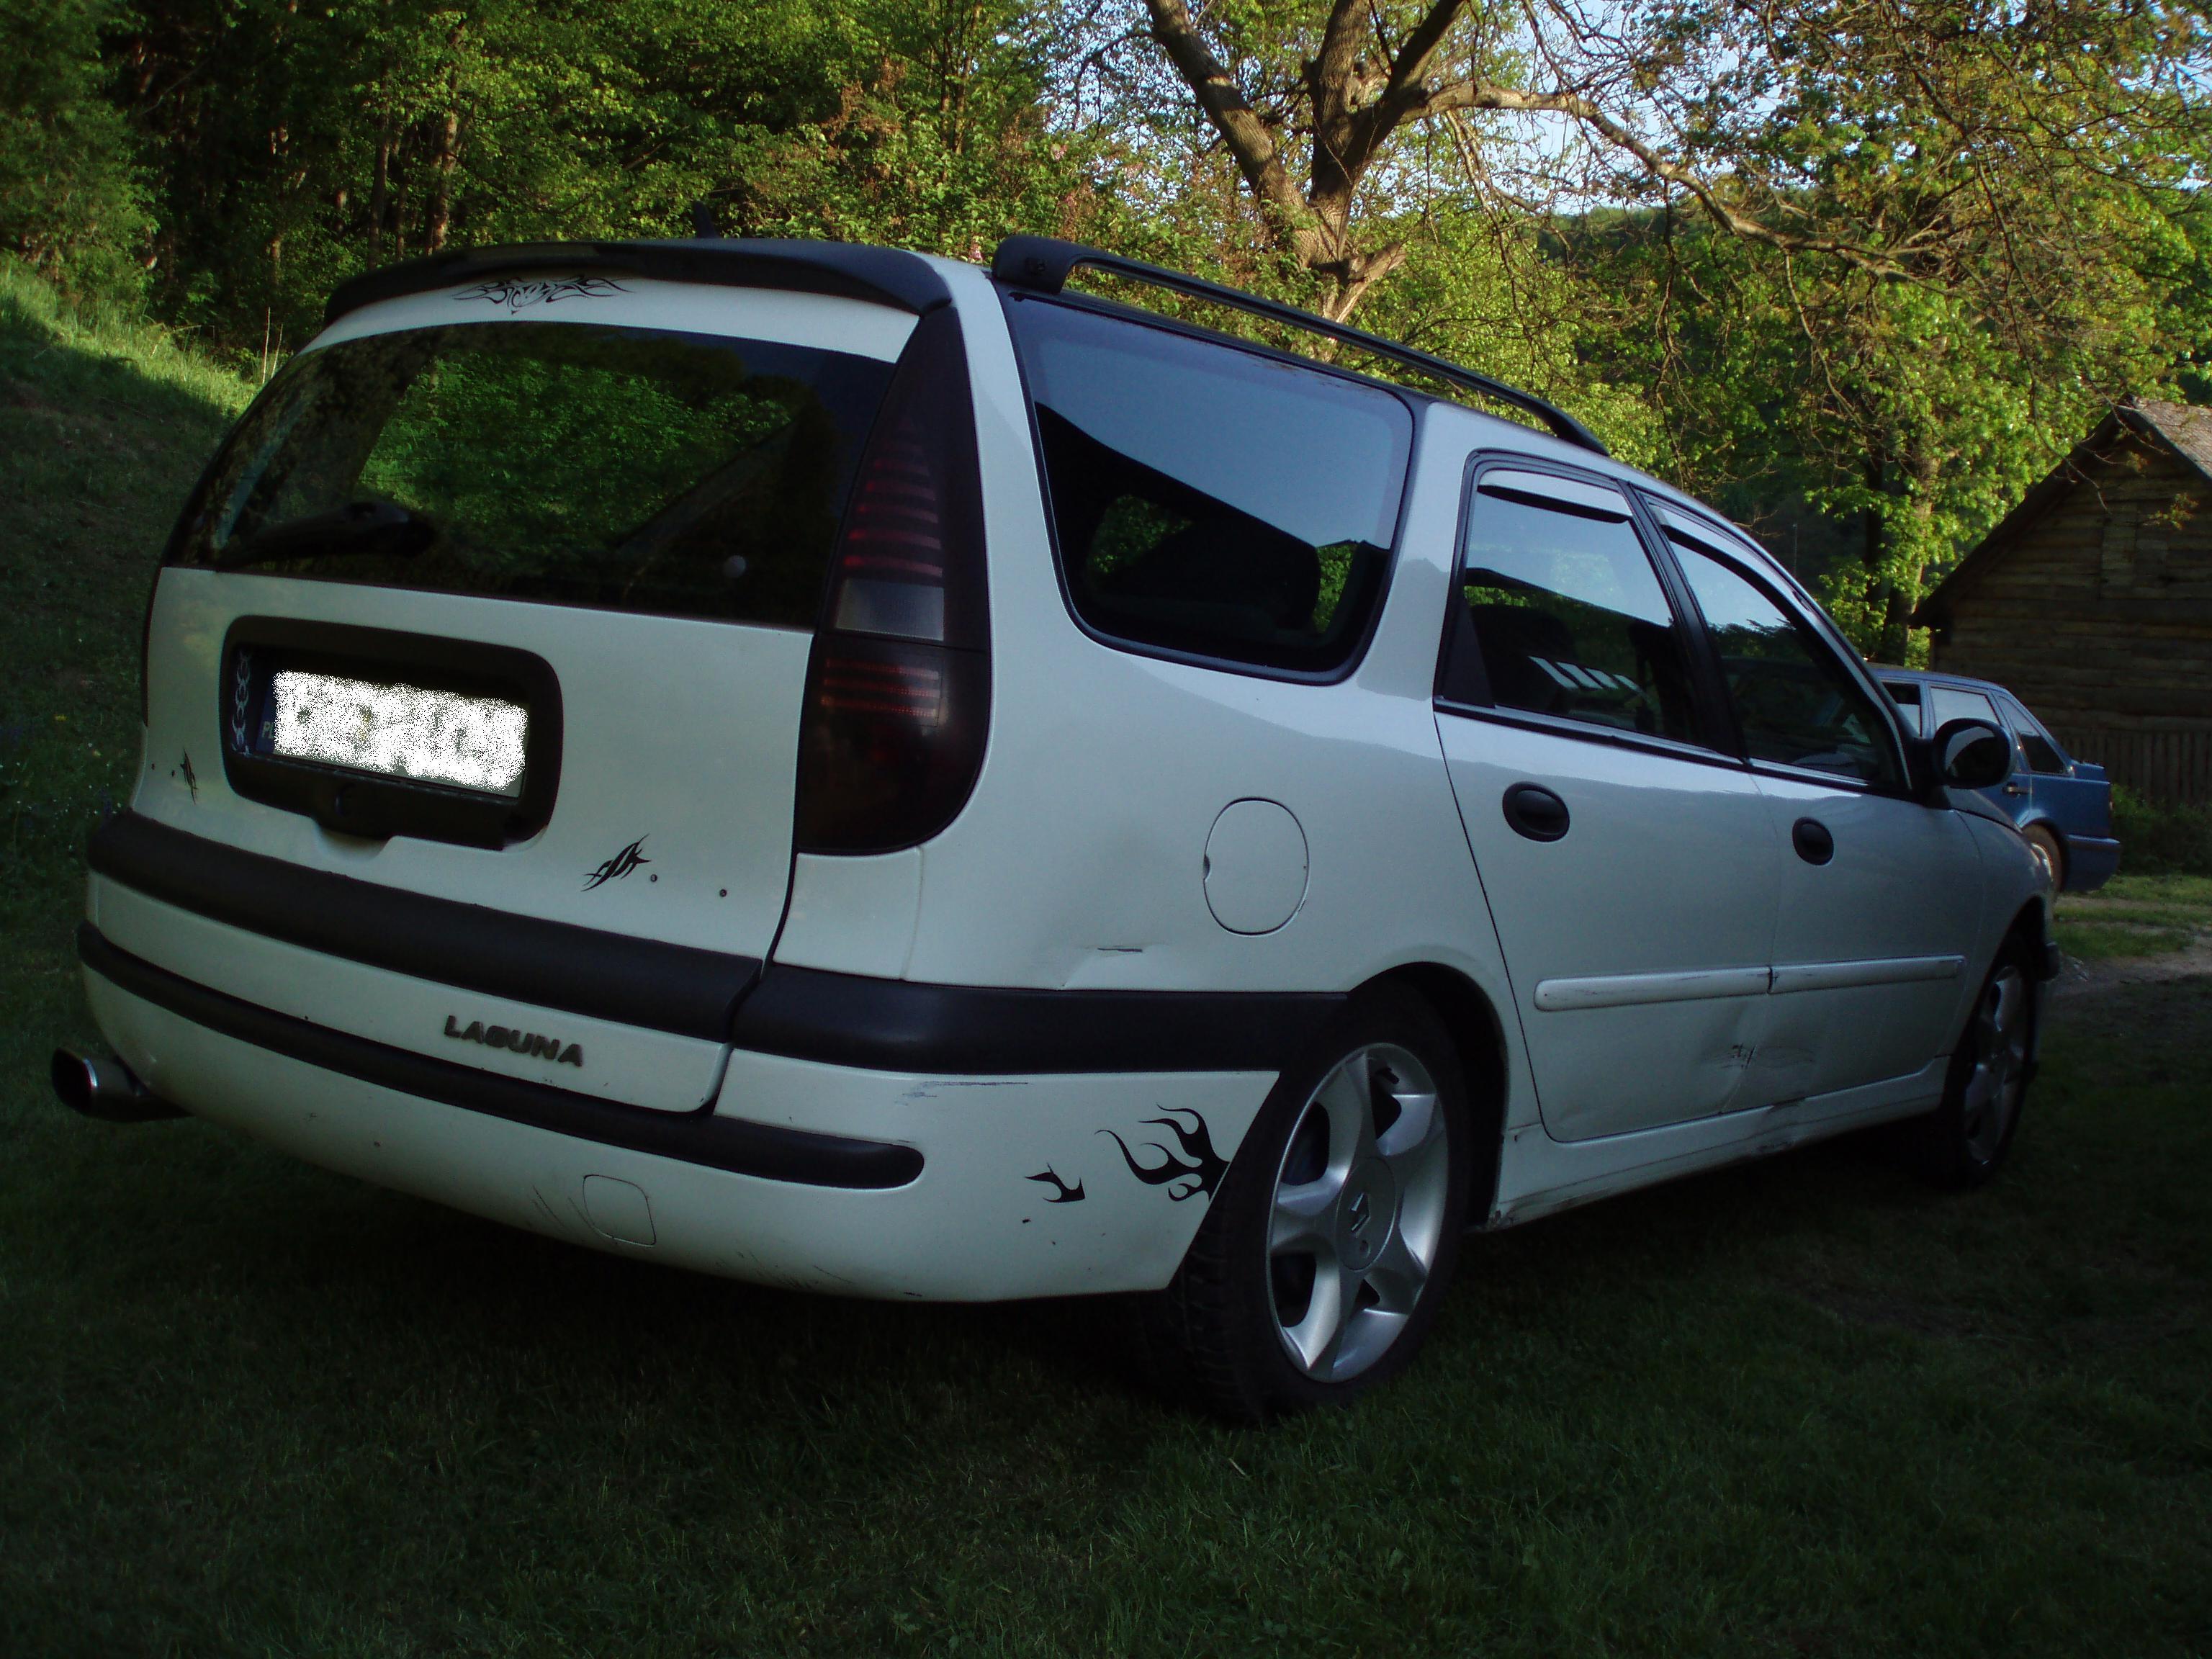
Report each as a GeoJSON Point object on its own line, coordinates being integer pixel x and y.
{"type": "Point", "coordinates": [1971, 754]}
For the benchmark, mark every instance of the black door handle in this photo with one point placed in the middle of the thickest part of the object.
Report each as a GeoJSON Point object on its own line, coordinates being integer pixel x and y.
{"type": "Point", "coordinates": [1812, 840]}
{"type": "Point", "coordinates": [1536, 812]}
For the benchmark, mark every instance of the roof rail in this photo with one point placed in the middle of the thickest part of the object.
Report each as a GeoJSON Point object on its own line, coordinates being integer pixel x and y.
{"type": "Point", "coordinates": [1043, 264]}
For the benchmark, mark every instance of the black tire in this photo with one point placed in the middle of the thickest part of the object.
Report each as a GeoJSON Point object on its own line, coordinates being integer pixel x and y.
{"type": "Point", "coordinates": [1217, 1336]}
{"type": "Point", "coordinates": [1964, 1142]}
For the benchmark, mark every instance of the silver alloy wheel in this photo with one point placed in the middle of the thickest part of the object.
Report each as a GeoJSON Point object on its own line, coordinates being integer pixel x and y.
{"type": "Point", "coordinates": [2045, 848]}
{"type": "Point", "coordinates": [1357, 1214]}
{"type": "Point", "coordinates": [1999, 1078]}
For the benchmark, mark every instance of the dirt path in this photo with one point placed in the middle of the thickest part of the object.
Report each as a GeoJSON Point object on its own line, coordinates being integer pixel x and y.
{"type": "Point", "coordinates": [2079, 978]}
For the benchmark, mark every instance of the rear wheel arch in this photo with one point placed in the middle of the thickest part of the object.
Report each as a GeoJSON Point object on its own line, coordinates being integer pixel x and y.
{"type": "Point", "coordinates": [1471, 1019]}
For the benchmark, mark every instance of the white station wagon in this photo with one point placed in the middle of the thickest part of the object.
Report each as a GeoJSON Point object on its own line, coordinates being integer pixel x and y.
{"type": "Point", "coordinates": [847, 770]}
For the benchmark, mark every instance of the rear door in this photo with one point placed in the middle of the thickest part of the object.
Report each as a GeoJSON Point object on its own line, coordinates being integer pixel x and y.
{"type": "Point", "coordinates": [1631, 868]}
{"type": "Point", "coordinates": [1880, 896]}
{"type": "Point", "coordinates": [2079, 805]}
{"type": "Point", "coordinates": [504, 596]}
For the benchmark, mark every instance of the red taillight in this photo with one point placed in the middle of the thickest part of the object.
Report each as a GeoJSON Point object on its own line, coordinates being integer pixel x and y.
{"type": "Point", "coordinates": [898, 692]}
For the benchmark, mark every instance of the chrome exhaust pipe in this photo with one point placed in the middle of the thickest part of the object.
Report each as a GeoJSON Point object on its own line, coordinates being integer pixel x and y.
{"type": "Point", "coordinates": [106, 1089]}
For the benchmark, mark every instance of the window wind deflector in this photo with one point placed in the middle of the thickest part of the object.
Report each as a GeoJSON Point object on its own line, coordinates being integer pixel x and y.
{"type": "Point", "coordinates": [368, 527]}
{"type": "Point", "coordinates": [1559, 495]}
{"type": "Point", "coordinates": [1696, 532]}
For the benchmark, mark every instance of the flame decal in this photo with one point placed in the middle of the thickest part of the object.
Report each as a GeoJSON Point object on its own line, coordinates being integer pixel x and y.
{"type": "Point", "coordinates": [1063, 1193]}
{"type": "Point", "coordinates": [1201, 1174]}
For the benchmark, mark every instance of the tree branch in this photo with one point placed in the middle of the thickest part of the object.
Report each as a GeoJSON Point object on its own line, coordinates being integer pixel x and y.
{"type": "Point", "coordinates": [1250, 144]}
{"type": "Point", "coordinates": [1477, 95]}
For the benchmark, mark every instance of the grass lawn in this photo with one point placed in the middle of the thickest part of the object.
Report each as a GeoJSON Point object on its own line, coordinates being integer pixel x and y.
{"type": "Point", "coordinates": [1806, 1408]}
{"type": "Point", "coordinates": [2137, 916]}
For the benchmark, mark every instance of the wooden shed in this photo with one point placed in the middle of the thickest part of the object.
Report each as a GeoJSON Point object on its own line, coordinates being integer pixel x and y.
{"type": "Point", "coordinates": [2093, 601]}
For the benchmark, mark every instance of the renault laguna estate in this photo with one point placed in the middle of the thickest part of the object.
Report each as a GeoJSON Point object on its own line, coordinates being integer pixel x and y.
{"type": "Point", "coordinates": [851, 771]}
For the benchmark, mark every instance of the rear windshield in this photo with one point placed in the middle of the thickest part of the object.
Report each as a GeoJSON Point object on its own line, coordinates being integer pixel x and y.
{"type": "Point", "coordinates": [636, 469]}
{"type": "Point", "coordinates": [1208, 500]}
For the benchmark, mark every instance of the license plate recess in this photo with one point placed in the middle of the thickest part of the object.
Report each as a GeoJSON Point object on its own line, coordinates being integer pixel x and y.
{"type": "Point", "coordinates": [376, 733]}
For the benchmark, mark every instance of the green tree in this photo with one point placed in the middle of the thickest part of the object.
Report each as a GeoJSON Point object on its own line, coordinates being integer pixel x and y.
{"type": "Point", "coordinates": [1890, 256]}
{"type": "Point", "coordinates": [71, 202]}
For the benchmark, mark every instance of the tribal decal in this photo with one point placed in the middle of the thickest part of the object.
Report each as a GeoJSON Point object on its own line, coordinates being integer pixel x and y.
{"type": "Point", "coordinates": [618, 867]}
{"type": "Point", "coordinates": [519, 294]}
{"type": "Point", "coordinates": [1202, 1174]}
{"type": "Point", "coordinates": [1066, 1193]}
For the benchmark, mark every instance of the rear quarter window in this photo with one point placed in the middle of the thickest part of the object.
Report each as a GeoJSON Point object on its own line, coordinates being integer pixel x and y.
{"type": "Point", "coordinates": [1207, 500]}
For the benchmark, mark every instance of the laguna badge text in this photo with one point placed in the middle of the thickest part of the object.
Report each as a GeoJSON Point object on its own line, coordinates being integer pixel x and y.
{"type": "Point", "coordinates": [518, 1041]}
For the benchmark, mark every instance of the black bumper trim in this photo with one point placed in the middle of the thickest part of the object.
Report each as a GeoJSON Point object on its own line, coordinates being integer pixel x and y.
{"type": "Point", "coordinates": [554, 964]}
{"type": "Point", "coordinates": [807, 1013]}
{"type": "Point", "coordinates": [766, 1149]}
{"type": "Point", "coordinates": [897, 1025]}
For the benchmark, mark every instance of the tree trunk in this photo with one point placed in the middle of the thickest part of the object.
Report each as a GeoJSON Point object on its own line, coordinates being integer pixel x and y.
{"type": "Point", "coordinates": [380, 195]}
{"type": "Point", "coordinates": [441, 193]}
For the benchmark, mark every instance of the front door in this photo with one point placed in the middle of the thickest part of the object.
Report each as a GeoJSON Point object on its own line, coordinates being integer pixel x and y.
{"type": "Point", "coordinates": [1879, 895]}
{"type": "Point", "coordinates": [1631, 868]}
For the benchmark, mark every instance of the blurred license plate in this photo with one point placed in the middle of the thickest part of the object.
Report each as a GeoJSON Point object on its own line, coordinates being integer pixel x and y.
{"type": "Point", "coordinates": [398, 731]}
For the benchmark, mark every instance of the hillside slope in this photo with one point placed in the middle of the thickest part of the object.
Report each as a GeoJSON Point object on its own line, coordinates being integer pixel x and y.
{"type": "Point", "coordinates": [104, 425]}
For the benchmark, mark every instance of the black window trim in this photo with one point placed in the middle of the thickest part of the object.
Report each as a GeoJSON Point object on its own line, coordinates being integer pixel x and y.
{"type": "Point", "coordinates": [1008, 298]}
{"type": "Point", "coordinates": [1556, 726]}
{"type": "Point", "coordinates": [1788, 598]}
{"type": "Point", "coordinates": [1712, 704]}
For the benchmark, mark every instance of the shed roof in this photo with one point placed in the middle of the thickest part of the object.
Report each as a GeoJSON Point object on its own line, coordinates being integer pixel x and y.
{"type": "Point", "coordinates": [2185, 428]}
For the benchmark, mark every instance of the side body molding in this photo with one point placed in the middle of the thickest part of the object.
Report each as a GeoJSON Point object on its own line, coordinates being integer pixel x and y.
{"type": "Point", "coordinates": [1697, 985]}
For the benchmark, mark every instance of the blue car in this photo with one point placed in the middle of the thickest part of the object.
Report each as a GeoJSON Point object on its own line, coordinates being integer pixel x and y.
{"type": "Point", "coordinates": [2063, 806]}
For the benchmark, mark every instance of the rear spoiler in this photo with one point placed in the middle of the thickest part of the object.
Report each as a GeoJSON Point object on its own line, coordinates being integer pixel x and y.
{"type": "Point", "coordinates": [880, 275]}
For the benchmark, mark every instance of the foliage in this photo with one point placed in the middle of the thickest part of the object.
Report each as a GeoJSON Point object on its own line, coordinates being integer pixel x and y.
{"type": "Point", "coordinates": [344, 134]}
{"type": "Point", "coordinates": [2159, 838]}
{"type": "Point", "coordinates": [71, 200]}
{"type": "Point", "coordinates": [1888, 262]}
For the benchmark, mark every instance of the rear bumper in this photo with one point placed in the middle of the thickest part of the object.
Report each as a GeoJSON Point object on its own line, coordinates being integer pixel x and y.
{"type": "Point", "coordinates": [2090, 862]}
{"type": "Point", "coordinates": [702, 1137]}
{"type": "Point", "coordinates": [800, 1172]}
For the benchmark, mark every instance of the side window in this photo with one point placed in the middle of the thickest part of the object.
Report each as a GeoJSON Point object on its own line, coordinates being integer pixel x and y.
{"type": "Point", "coordinates": [1562, 613]}
{"type": "Point", "coordinates": [2035, 742]}
{"type": "Point", "coordinates": [1906, 694]}
{"type": "Point", "coordinates": [1947, 702]}
{"type": "Point", "coordinates": [1798, 705]}
{"type": "Point", "coordinates": [1210, 500]}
